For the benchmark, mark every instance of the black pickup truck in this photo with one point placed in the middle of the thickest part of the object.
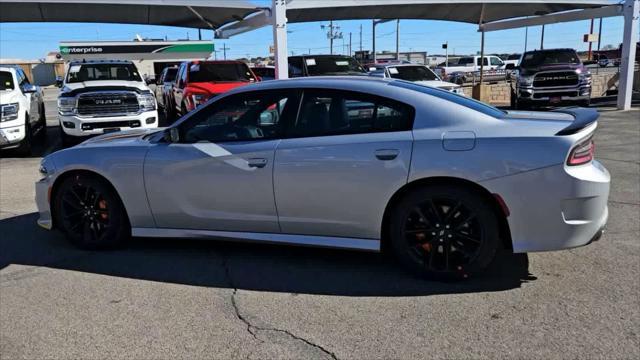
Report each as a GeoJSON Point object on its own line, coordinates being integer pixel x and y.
{"type": "Point", "coordinates": [550, 77]}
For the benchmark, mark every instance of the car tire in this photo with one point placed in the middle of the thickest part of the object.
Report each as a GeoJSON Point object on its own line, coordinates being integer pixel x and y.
{"type": "Point", "coordinates": [90, 213]}
{"type": "Point", "coordinates": [444, 232]}
{"type": "Point", "coordinates": [25, 149]}
{"type": "Point", "coordinates": [42, 132]}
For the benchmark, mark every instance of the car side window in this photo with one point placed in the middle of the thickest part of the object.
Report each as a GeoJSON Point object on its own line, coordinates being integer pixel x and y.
{"type": "Point", "coordinates": [496, 61]}
{"type": "Point", "coordinates": [182, 78]}
{"type": "Point", "coordinates": [485, 61]}
{"type": "Point", "coordinates": [329, 112]}
{"type": "Point", "coordinates": [242, 117]}
{"type": "Point", "coordinates": [295, 67]}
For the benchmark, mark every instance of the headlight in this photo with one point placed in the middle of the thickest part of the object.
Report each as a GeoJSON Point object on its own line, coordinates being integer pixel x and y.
{"type": "Point", "coordinates": [67, 105]}
{"type": "Point", "coordinates": [10, 112]}
{"type": "Point", "coordinates": [525, 80]}
{"type": "Point", "coordinates": [147, 101]}
{"type": "Point", "coordinates": [199, 99]}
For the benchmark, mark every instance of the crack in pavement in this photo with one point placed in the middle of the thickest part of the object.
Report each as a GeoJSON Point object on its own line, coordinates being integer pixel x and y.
{"type": "Point", "coordinates": [252, 329]}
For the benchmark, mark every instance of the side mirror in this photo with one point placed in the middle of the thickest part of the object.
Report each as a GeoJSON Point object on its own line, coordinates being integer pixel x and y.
{"type": "Point", "coordinates": [28, 89]}
{"type": "Point", "coordinates": [510, 67]}
{"type": "Point", "coordinates": [59, 81]}
{"type": "Point", "coordinates": [172, 135]}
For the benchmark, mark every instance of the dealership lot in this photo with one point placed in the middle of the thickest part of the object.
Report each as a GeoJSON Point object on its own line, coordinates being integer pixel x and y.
{"type": "Point", "coordinates": [190, 299]}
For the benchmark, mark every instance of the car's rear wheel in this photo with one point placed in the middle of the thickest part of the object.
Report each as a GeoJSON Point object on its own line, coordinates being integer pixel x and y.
{"type": "Point", "coordinates": [90, 213]}
{"type": "Point", "coordinates": [444, 233]}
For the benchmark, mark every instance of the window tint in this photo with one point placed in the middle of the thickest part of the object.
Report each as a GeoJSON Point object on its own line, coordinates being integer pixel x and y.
{"type": "Point", "coordinates": [496, 61]}
{"type": "Point", "coordinates": [326, 112]}
{"type": "Point", "coordinates": [485, 61]}
{"type": "Point", "coordinates": [170, 74]}
{"type": "Point", "coordinates": [207, 71]}
{"type": "Point", "coordinates": [252, 116]}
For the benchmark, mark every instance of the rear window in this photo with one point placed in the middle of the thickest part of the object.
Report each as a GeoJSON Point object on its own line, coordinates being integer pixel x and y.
{"type": "Point", "coordinates": [208, 72]}
{"type": "Point", "coordinates": [412, 73]}
{"type": "Point", "coordinates": [264, 72]}
{"type": "Point", "coordinates": [95, 72]}
{"type": "Point", "coordinates": [6, 81]}
{"type": "Point", "coordinates": [465, 61]}
{"type": "Point", "coordinates": [333, 65]}
{"type": "Point", "coordinates": [455, 98]}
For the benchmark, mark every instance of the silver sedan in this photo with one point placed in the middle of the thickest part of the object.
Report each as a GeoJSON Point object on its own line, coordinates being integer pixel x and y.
{"type": "Point", "coordinates": [441, 180]}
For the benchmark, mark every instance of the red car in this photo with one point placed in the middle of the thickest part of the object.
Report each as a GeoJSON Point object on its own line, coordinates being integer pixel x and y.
{"type": "Point", "coordinates": [198, 81]}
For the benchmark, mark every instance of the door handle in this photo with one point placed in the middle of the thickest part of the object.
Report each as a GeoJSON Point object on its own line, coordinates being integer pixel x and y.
{"type": "Point", "coordinates": [257, 163]}
{"type": "Point", "coordinates": [387, 154]}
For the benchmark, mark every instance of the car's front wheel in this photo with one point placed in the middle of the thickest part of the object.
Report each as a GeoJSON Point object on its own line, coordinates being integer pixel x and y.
{"type": "Point", "coordinates": [444, 232]}
{"type": "Point", "coordinates": [90, 213]}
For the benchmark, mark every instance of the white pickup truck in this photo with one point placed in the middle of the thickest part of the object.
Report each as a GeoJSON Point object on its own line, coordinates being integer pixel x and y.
{"type": "Point", "coordinates": [468, 65]}
{"type": "Point", "coordinates": [102, 96]}
{"type": "Point", "coordinates": [22, 116]}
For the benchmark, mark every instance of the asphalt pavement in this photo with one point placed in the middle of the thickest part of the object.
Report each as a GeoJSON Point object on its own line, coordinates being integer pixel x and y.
{"type": "Point", "coordinates": [197, 299]}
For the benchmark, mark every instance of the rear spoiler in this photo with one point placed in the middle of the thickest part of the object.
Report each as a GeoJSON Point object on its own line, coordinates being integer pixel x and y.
{"type": "Point", "coordinates": [583, 118]}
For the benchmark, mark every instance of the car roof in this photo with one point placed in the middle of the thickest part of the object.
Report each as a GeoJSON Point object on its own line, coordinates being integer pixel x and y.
{"type": "Point", "coordinates": [9, 67]}
{"type": "Point", "coordinates": [80, 62]}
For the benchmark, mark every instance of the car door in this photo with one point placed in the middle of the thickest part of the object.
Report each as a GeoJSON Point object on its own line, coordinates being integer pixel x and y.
{"type": "Point", "coordinates": [160, 88]}
{"type": "Point", "coordinates": [31, 98]}
{"type": "Point", "coordinates": [219, 175]}
{"type": "Point", "coordinates": [343, 157]}
{"type": "Point", "coordinates": [178, 89]}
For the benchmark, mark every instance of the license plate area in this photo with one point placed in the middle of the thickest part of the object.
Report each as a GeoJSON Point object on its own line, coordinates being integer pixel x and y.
{"type": "Point", "coordinates": [110, 130]}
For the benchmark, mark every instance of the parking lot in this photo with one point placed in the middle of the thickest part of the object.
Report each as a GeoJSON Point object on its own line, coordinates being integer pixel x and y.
{"type": "Point", "coordinates": [190, 299]}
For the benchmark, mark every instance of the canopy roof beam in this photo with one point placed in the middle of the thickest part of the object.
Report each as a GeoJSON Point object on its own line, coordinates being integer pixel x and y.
{"type": "Point", "coordinates": [576, 15]}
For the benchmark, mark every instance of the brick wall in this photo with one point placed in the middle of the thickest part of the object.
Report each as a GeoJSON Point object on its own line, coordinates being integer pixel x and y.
{"type": "Point", "coordinates": [500, 93]}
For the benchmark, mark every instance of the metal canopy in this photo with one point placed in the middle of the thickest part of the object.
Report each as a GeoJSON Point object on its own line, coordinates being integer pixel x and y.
{"type": "Point", "coordinates": [470, 11]}
{"type": "Point", "coordinates": [184, 13]}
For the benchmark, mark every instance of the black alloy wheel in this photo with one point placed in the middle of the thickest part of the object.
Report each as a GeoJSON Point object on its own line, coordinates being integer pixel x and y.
{"type": "Point", "coordinates": [445, 233]}
{"type": "Point", "coordinates": [90, 213]}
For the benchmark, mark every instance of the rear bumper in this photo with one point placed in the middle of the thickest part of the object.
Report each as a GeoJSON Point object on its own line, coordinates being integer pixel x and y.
{"type": "Point", "coordinates": [554, 208]}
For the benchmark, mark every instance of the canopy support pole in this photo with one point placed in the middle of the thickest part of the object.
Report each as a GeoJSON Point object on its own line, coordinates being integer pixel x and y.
{"type": "Point", "coordinates": [481, 53]}
{"type": "Point", "coordinates": [279, 17]}
{"type": "Point", "coordinates": [628, 55]}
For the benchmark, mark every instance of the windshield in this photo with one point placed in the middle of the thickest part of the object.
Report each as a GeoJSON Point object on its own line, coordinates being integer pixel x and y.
{"type": "Point", "coordinates": [171, 74]}
{"type": "Point", "coordinates": [208, 72]}
{"type": "Point", "coordinates": [333, 65]}
{"type": "Point", "coordinates": [549, 57]}
{"type": "Point", "coordinates": [412, 73]}
{"type": "Point", "coordinates": [95, 72]}
{"type": "Point", "coordinates": [6, 81]}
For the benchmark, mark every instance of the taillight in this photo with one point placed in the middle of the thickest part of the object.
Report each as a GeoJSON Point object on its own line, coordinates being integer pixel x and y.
{"type": "Point", "coordinates": [582, 153]}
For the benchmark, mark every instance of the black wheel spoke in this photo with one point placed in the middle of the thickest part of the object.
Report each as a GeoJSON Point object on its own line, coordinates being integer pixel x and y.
{"type": "Point", "coordinates": [436, 212]}
{"type": "Point", "coordinates": [422, 215]}
{"type": "Point", "coordinates": [74, 214]}
{"type": "Point", "coordinates": [72, 203]}
{"type": "Point", "coordinates": [467, 238]}
{"type": "Point", "coordinates": [451, 212]}
{"type": "Point", "coordinates": [73, 192]}
{"type": "Point", "coordinates": [418, 231]}
{"type": "Point", "coordinates": [464, 222]}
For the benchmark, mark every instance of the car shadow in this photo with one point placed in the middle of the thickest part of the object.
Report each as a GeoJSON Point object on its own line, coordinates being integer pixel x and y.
{"type": "Point", "coordinates": [248, 266]}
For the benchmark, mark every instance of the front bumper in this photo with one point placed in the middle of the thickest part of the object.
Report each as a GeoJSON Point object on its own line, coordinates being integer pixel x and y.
{"type": "Point", "coordinates": [554, 208]}
{"type": "Point", "coordinates": [11, 137]}
{"type": "Point", "coordinates": [87, 126]}
{"type": "Point", "coordinates": [559, 94]}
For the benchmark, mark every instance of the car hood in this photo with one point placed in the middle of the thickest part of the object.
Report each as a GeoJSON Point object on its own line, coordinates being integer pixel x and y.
{"type": "Point", "coordinates": [438, 84]}
{"type": "Point", "coordinates": [121, 138]}
{"type": "Point", "coordinates": [8, 97]}
{"type": "Point", "coordinates": [106, 83]}
{"type": "Point", "coordinates": [214, 87]}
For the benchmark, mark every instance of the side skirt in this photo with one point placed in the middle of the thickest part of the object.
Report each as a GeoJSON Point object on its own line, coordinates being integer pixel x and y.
{"type": "Point", "coordinates": [303, 240]}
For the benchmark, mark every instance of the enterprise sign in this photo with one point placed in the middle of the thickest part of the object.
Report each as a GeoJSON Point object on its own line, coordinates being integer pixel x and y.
{"type": "Point", "coordinates": [137, 48]}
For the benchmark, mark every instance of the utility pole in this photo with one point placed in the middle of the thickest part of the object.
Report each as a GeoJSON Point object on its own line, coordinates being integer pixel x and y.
{"type": "Point", "coordinates": [526, 37]}
{"type": "Point", "coordinates": [349, 44]}
{"type": "Point", "coordinates": [199, 34]}
{"type": "Point", "coordinates": [224, 50]}
{"type": "Point", "coordinates": [331, 37]}
{"type": "Point", "coordinates": [360, 37]}
{"type": "Point", "coordinates": [542, 39]}
{"type": "Point", "coordinates": [332, 33]}
{"type": "Point", "coordinates": [398, 39]}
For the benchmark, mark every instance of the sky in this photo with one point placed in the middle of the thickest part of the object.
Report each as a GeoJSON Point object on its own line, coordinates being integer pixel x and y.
{"type": "Point", "coordinates": [35, 40]}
